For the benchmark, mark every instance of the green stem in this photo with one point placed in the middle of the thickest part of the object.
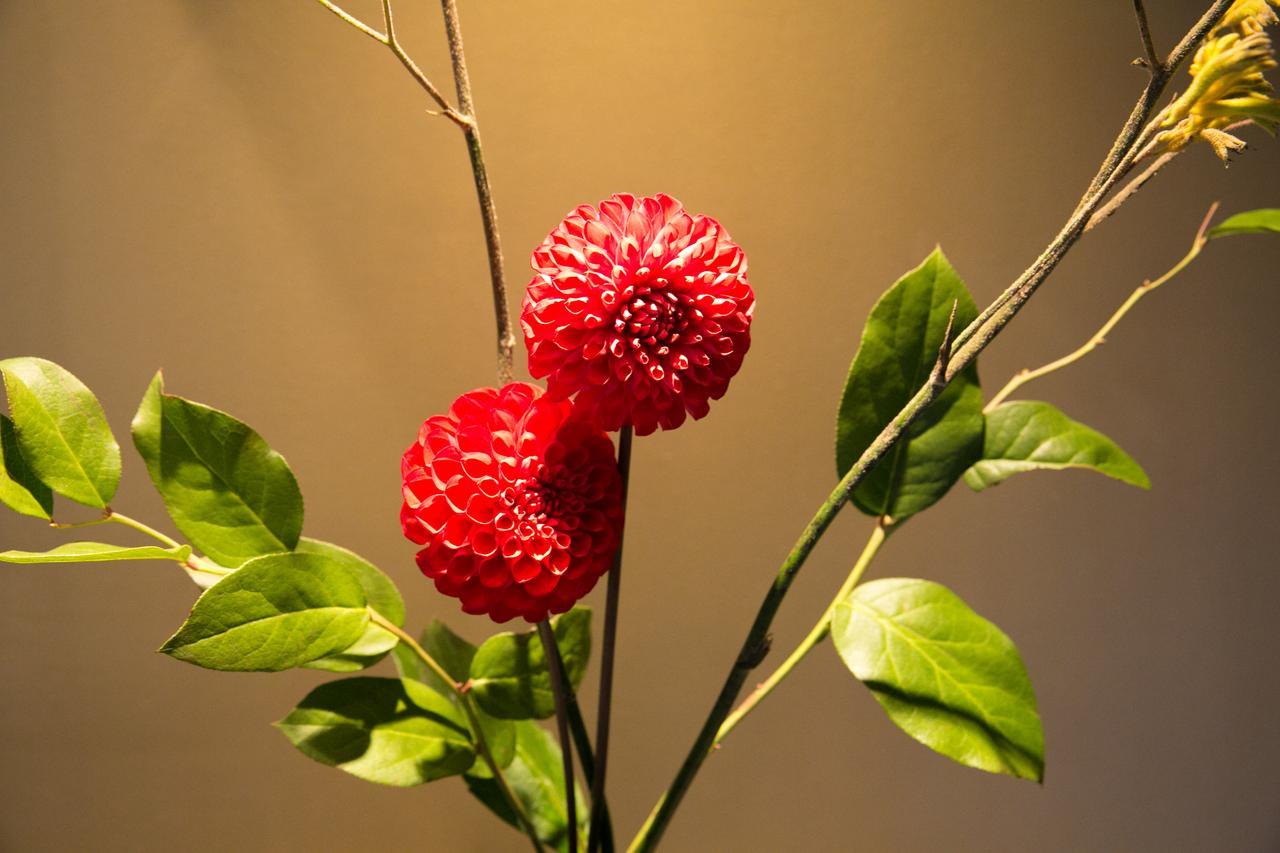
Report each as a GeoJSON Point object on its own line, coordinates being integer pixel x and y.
{"type": "Point", "coordinates": [815, 636]}
{"type": "Point", "coordinates": [1100, 337]}
{"type": "Point", "coordinates": [127, 521]}
{"type": "Point", "coordinates": [954, 358]}
{"type": "Point", "coordinates": [465, 702]}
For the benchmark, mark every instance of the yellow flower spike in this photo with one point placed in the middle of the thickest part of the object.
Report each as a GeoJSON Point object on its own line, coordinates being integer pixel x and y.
{"type": "Point", "coordinates": [1228, 83]}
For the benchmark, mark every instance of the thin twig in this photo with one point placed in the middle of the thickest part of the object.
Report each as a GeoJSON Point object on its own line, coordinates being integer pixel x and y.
{"type": "Point", "coordinates": [355, 22]}
{"type": "Point", "coordinates": [560, 689]}
{"type": "Point", "coordinates": [878, 535]}
{"type": "Point", "coordinates": [1144, 27]}
{"type": "Point", "coordinates": [462, 119]}
{"type": "Point", "coordinates": [968, 345]}
{"type": "Point", "coordinates": [1114, 203]}
{"type": "Point", "coordinates": [1100, 337]}
{"type": "Point", "coordinates": [608, 652]}
{"type": "Point", "coordinates": [484, 194]}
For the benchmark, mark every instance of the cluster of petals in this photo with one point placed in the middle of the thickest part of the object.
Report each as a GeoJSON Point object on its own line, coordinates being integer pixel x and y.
{"type": "Point", "coordinates": [515, 500]}
{"type": "Point", "coordinates": [640, 309]}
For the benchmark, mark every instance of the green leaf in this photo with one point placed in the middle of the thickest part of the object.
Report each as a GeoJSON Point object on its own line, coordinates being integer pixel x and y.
{"type": "Point", "coordinates": [228, 492]}
{"type": "Point", "coordinates": [96, 552]}
{"type": "Point", "coordinates": [1026, 435]}
{"type": "Point", "coordinates": [373, 729]}
{"type": "Point", "coordinates": [273, 613]}
{"type": "Point", "coordinates": [509, 672]}
{"type": "Point", "coordinates": [20, 488]}
{"type": "Point", "coordinates": [62, 432]}
{"type": "Point", "coordinates": [536, 778]}
{"type": "Point", "coordinates": [381, 595]}
{"type": "Point", "coordinates": [1265, 221]}
{"type": "Point", "coordinates": [946, 676]}
{"type": "Point", "coordinates": [449, 650]}
{"type": "Point", "coordinates": [455, 654]}
{"type": "Point", "coordinates": [898, 351]}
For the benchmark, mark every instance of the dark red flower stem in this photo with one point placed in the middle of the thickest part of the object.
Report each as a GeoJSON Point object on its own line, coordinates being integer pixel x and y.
{"type": "Point", "coordinates": [586, 758]}
{"type": "Point", "coordinates": [560, 688]}
{"type": "Point", "coordinates": [609, 645]}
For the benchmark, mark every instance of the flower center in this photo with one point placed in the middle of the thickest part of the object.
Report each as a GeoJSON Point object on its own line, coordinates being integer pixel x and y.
{"type": "Point", "coordinates": [653, 319]}
{"type": "Point", "coordinates": [547, 499]}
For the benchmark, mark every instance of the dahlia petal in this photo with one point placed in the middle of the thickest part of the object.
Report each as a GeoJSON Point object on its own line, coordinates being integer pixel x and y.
{"type": "Point", "coordinates": [541, 584]}
{"type": "Point", "coordinates": [494, 574]}
{"type": "Point", "coordinates": [525, 570]}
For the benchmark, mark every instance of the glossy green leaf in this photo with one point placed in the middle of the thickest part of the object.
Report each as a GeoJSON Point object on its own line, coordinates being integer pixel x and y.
{"type": "Point", "coordinates": [273, 613]}
{"type": "Point", "coordinates": [1265, 221]}
{"type": "Point", "coordinates": [375, 730]}
{"type": "Point", "coordinates": [451, 651]}
{"type": "Point", "coordinates": [455, 654]}
{"type": "Point", "coordinates": [509, 672]}
{"type": "Point", "coordinates": [536, 778]}
{"type": "Point", "coordinates": [62, 432]}
{"type": "Point", "coordinates": [1026, 436]}
{"type": "Point", "coordinates": [899, 349]}
{"type": "Point", "coordinates": [20, 488]}
{"type": "Point", "coordinates": [382, 596]}
{"type": "Point", "coordinates": [946, 676]}
{"type": "Point", "coordinates": [96, 552]}
{"type": "Point", "coordinates": [228, 492]}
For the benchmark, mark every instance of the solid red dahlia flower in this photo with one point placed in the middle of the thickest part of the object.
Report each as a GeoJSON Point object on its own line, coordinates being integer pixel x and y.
{"type": "Point", "coordinates": [517, 500]}
{"type": "Point", "coordinates": [639, 308]}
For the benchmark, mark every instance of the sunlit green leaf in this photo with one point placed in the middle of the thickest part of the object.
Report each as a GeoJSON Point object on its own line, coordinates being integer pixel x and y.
{"type": "Point", "coordinates": [1264, 221]}
{"type": "Point", "coordinates": [454, 653]}
{"type": "Point", "coordinates": [509, 672]}
{"type": "Point", "coordinates": [228, 492]}
{"type": "Point", "coordinates": [536, 777]}
{"type": "Point", "coordinates": [899, 349]}
{"type": "Point", "coordinates": [946, 676]}
{"type": "Point", "coordinates": [375, 730]}
{"type": "Point", "coordinates": [1026, 435]}
{"type": "Point", "coordinates": [62, 432]}
{"type": "Point", "coordinates": [381, 595]}
{"type": "Point", "coordinates": [96, 552]}
{"type": "Point", "coordinates": [20, 488]}
{"type": "Point", "coordinates": [275, 612]}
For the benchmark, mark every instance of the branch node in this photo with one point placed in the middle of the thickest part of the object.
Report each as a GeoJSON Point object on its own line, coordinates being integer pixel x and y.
{"type": "Point", "coordinates": [937, 378]}
{"type": "Point", "coordinates": [752, 656]}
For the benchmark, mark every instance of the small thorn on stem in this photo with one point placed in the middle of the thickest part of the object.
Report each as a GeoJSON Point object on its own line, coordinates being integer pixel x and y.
{"type": "Point", "coordinates": [944, 351]}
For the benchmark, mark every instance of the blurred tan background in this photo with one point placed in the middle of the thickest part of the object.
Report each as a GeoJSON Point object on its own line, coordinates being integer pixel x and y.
{"type": "Point", "coordinates": [250, 195]}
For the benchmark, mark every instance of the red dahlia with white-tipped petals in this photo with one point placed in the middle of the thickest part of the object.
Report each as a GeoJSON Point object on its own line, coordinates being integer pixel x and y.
{"type": "Point", "coordinates": [640, 309]}
{"type": "Point", "coordinates": [516, 499]}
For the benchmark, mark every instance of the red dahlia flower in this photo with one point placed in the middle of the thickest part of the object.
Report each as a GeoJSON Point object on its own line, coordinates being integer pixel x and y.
{"type": "Point", "coordinates": [517, 501]}
{"type": "Point", "coordinates": [639, 308]}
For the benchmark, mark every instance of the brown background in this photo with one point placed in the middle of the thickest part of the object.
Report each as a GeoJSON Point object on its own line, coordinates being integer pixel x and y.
{"type": "Point", "coordinates": [250, 195]}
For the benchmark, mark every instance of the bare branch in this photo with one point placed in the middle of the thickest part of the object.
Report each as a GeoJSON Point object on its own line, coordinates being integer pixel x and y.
{"type": "Point", "coordinates": [1154, 63]}
{"type": "Point", "coordinates": [354, 21]}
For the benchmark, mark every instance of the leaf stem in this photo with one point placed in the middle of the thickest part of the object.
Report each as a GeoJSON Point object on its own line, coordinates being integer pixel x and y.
{"type": "Point", "coordinates": [878, 536]}
{"type": "Point", "coordinates": [972, 341]}
{"type": "Point", "coordinates": [1100, 337]}
{"type": "Point", "coordinates": [464, 699]}
{"type": "Point", "coordinates": [599, 814]}
{"type": "Point", "coordinates": [560, 689]}
{"type": "Point", "coordinates": [127, 521]}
